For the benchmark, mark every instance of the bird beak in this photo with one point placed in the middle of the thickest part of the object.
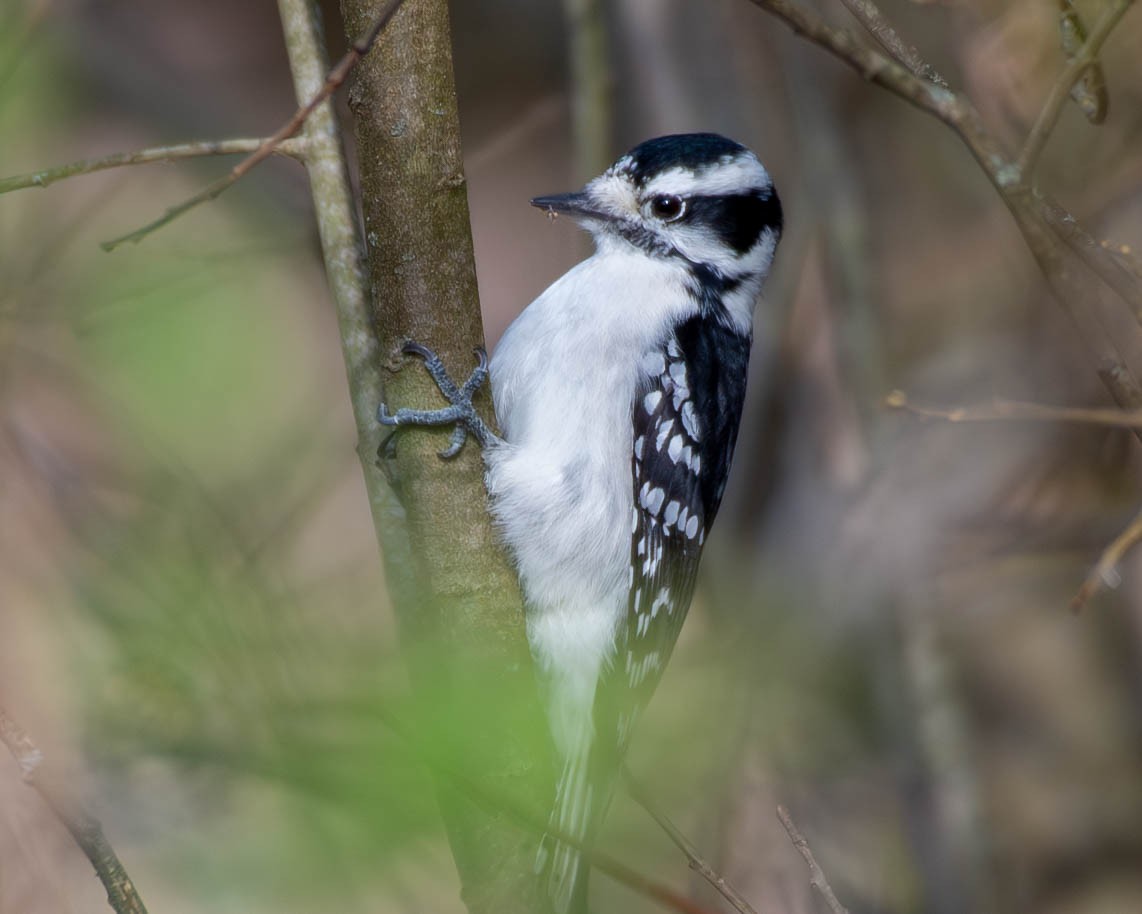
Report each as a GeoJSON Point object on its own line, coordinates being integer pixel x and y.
{"type": "Point", "coordinates": [577, 204]}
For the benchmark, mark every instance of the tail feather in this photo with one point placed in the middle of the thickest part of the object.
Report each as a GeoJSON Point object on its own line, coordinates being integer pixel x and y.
{"type": "Point", "coordinates": [583, 795]}
{"type": "Point", "coordinates": [571, 817]}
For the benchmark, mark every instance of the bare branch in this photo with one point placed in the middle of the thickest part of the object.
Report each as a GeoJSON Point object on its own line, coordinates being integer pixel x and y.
{"type": "Point", "coordinates": [292, 148]}
{"type": "Point", "coordinates": [1090, 91]}
{"type": "Point", "coordinates": [1019, 411]}
{"type": "Point", "coordinates": [1042, 222]}
{"type": "Point", "coordinates": [590, 85]}
{"type": "Point", "coordinates": [1105, 571]}
{"type": "Point", "coordinates": [697, 863]}
{"type": "Point", "coordinates": [1114, 265]}
{"type": "Point", "coordinates": [1072, 73]}
{"type": "Point", "coordinates": [870, 16]}
{"type": "Point", "coordinates": [83, 827]}
{"type": "Point", "coordinates": [816, 874]}
{"type": "Point", "coordinates": [876, 68]}
{"type": "Point", "coordinates": [333, 82]}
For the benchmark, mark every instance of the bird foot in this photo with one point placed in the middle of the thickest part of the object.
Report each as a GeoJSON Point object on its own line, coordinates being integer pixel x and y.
{"type": "Point", "coordinates": [460, 413]}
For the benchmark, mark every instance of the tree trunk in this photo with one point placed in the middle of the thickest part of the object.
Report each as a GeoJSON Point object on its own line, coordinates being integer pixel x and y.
{"type": "Point", "coordinates": [460, 609]}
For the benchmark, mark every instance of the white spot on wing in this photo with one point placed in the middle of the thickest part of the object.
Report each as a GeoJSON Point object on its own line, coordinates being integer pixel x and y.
{"type": "Point", "coordinates": [674, 451]}
{"type": "Point", "coordinates": [651, 400]}
{"type": "Point", "coordinates": [692, 526]}
{"type": "Point", "coordinates": [652, 499]}
{"type": "Point", "coordinates": [664, 430]}
{"type": "Point", "coordinates": [690, 420]}
{"type": "Point", "coordinates": [653, 363]}
{"type": "Point", "coordinates": [671, 513]}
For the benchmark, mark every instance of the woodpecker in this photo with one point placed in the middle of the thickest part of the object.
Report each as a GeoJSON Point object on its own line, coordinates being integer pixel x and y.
{"type": "Point", "coordinates": [618, 392]}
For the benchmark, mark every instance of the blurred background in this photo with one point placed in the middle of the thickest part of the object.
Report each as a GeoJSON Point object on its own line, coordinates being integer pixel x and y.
{"type": "Point", "coordinates": [193, 624]}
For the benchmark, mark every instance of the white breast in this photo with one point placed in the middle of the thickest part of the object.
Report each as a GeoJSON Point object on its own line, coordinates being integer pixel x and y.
{"type": "Point", "coordinates": [564, 378]}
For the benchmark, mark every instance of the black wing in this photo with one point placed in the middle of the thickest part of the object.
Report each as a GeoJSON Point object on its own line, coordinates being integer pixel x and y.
{"type": "Point", "coordinates": [685, 428]}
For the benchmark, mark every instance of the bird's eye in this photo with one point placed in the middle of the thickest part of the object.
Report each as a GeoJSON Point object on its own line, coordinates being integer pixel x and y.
{"type": "Point", "coordinates": [668, 207]}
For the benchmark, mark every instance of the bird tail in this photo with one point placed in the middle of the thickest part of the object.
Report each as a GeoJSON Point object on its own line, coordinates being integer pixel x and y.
{"type": "Point", "coordinates": [575, 815]}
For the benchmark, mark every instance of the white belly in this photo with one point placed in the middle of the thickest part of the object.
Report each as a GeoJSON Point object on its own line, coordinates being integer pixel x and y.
{"type": "Point", "coordinates": [564, 379]}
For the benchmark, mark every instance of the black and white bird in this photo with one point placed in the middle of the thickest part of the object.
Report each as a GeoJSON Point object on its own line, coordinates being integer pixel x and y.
{"type": "Point", "coordinates": [619, 392]}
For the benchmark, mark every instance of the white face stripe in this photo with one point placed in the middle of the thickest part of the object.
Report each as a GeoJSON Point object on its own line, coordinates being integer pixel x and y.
{"type": "Point", "coordinates": [731, 175]}
{"type": "Point", "coordinates": [615, 191]}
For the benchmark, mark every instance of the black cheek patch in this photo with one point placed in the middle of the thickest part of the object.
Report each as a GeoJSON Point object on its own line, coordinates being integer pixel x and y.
{"type": "Point", "coordinates": [738, 220]}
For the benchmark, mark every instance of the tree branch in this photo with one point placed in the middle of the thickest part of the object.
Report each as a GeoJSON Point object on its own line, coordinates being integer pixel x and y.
{"type": "Point", "coordinates": [293, 148]}
{"type": "Point", "coordinates": [590, 86]}
{"type": "Point", "coordinates": [1071, 74]}
{"type": "Point", "coordinates": [696, 861]}
{"type": "Point", "coordinates": [83, 827]}
{"type": "Point", "coordinates": [333, 81]}
{"type": "Point", "coordinates": [1105, 571]}
{"type": "Point", "coordinates": [1018, 411]}
{"type": "Point", "coordinates": [869, 15]}
{"type": "Point", "coordinates": [816, 874]}
{"type": "Point", "coordinates": [1042, 222]}
{"type": "Point", "coordinates": [457, 597]}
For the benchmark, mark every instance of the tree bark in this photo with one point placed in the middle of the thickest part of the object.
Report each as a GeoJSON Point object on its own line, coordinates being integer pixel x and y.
{"type": "Point", "coordinates": [457, 597]}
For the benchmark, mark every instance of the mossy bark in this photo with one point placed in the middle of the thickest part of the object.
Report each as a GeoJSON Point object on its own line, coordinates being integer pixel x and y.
{"type": "Point", "coordinates": [460, 609]}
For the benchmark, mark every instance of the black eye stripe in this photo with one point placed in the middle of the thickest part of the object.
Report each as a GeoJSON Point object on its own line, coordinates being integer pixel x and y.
{"type": "Point", "coordinates": [739, 219]}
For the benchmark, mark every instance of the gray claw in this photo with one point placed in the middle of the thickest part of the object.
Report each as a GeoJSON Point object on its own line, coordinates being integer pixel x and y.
{"type": "Point", "coordinates": [460, 412]}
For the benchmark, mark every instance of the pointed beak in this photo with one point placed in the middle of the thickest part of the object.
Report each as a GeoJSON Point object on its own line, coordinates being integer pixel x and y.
{"type": "Point", "coordinates": [577, 204]}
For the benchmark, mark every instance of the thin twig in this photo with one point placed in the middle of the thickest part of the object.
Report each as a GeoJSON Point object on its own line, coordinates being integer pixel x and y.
{"type": "Point", "coordinates": [333, 82]}
{"type": "Point", "coordinates": [1118, 268]}
{"type": "Point", "coordinates": [1061, 90]}
{"type": "Point", "coordinates": [84, 827]}
{"type": "Point", "coordinates": [1090, 92]}
{"type": "Point", "coordinates": [697, 863]}
{"type": "Point", "coordinates": [293, 148]}
{"type": "Point", "coordinates": [870, 16]}
{"type": "Point", "coordinates": [816, 874]}
{"type": "Point", "coordinates": [1019, 411]}
{"type": "Point", "coordinates": [1105, 571]}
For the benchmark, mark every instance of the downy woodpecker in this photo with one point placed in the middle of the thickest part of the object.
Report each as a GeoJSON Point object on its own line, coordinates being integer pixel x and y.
{"type": "Point", "coordinates": [619, 392]}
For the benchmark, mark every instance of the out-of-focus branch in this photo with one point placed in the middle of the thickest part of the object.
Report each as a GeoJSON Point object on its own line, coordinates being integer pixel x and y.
{"type": "Point", "coordinates": [1018, 411]}
{"type": "Point", "coordinates": [83, 827]}
{"type": "Point", "coordinates": [816, 874]}
{"type": "Point", "coordinates": [333, 81]}
{"type": "Point", "coordinates": [590, 85]}
{"type": "Point", "coordinates": [696, 861]}
{"type": "Point", "coordinates": [869, 15]}
{"type": "Point", "coordinates": [1071, 74]}
{"type": "Point", "coordinates": [1042, 225]}
{"type": "Point", "coordinates": [1089, 93]}
{"type": "Point", "coordinates": [1105, 571]}
{"type": "Point", "coordinates": [1118, 268]}
{"type": "Point", "coordinates": [294, 148]}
